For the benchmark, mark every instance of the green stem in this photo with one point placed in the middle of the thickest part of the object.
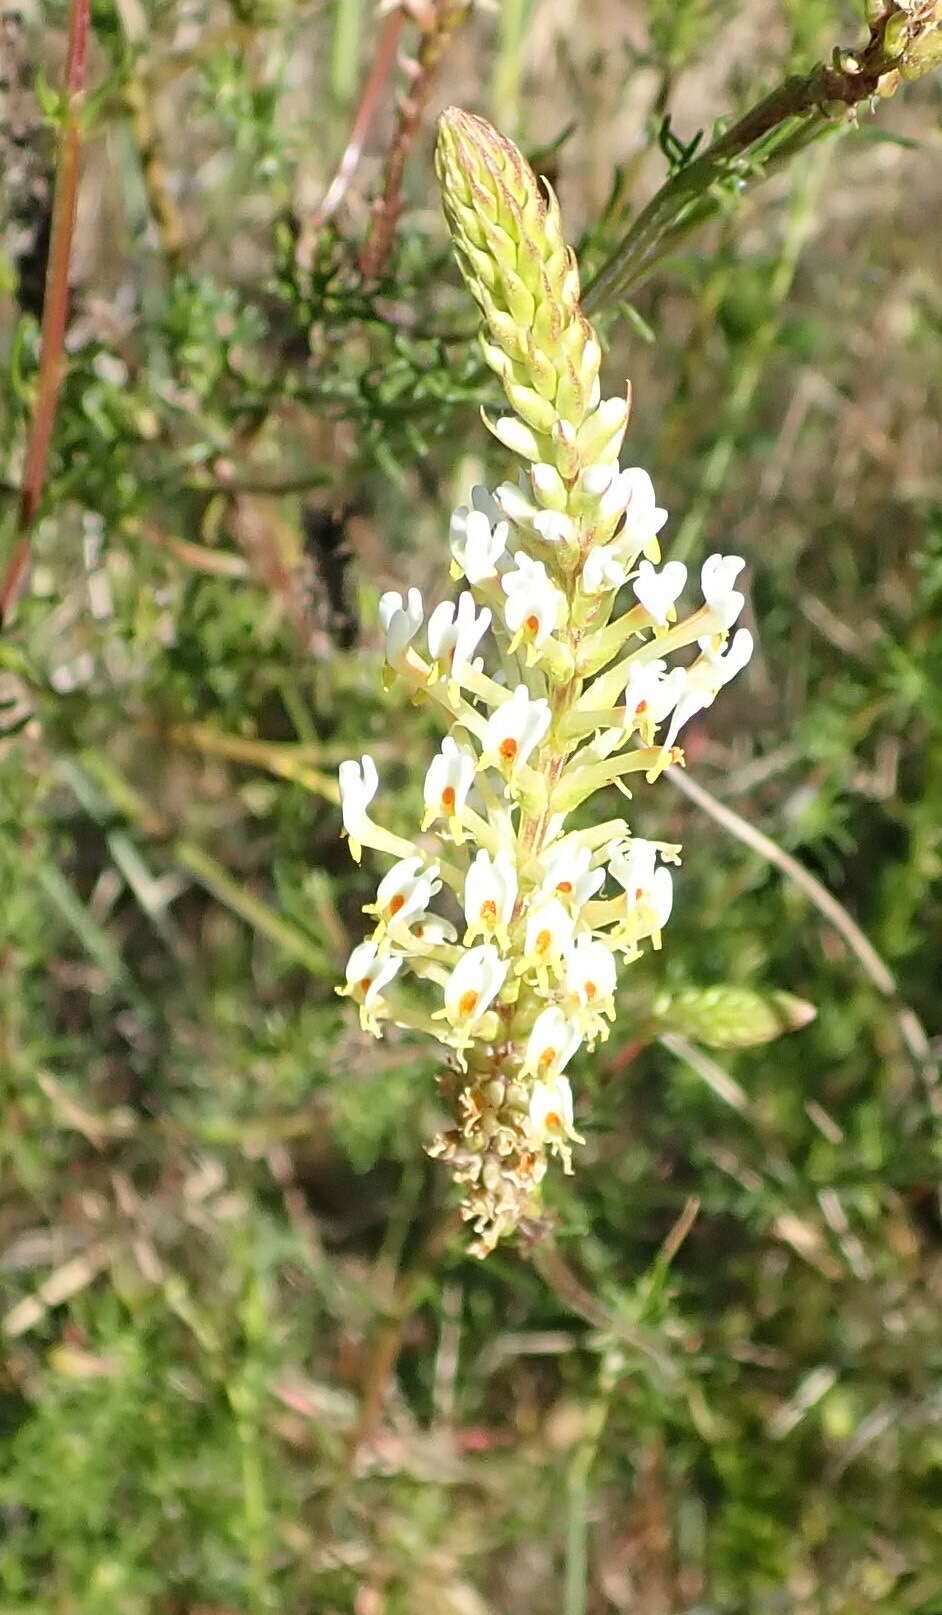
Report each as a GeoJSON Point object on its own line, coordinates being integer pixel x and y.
{"type": "Point", "coordinates": [585, 780]}
{"type": "Point", "coordinates": [798, 111]}
{"type": "Point", "coordinates": [345, 50]}
{"type": "Point", "coordinates": [514, 15]}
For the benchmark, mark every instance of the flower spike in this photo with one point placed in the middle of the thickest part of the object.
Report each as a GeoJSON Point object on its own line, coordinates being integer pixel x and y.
{"type": "Point", "coordinates": [550, 691]}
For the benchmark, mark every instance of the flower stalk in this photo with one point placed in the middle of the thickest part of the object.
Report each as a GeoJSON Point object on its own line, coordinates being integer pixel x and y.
{"type": "Point", "coordinates": [500, 925]}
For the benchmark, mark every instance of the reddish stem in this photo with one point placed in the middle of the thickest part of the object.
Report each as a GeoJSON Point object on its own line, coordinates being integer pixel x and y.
{"type": "Point", "coordinates": [443, 18]}
{"type": "Point", "coordinates": [366, 111]}
{"type": "Point", "coordinates": [55, 306]}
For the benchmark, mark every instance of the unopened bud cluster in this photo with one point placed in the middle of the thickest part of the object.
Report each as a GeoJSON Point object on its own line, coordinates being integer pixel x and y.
{"type": "Point", "coordinates": [912, 36]}
{"type": "Point", "coordinates": [499, 928]}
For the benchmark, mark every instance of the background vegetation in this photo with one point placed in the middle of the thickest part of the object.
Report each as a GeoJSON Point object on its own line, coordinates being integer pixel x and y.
{"type": "Point", "coordinates": [246, 1364]}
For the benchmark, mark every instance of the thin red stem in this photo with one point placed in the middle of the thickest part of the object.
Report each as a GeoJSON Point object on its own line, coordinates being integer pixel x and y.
{"type": "Point", "coordinates": [443, 20]}
{"type": "Point", "coordinates": [382, 67]}
{"type": "Point", "coordinates": [55, 306]}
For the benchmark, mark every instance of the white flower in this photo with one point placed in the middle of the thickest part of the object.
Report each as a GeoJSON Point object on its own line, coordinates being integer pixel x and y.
{"type": "Point", "coordinates": [697, 687]}
{"type": "Point", "coordinates": [717, 576]}
{"type": "Point", "coordinates": [454, 632]}
{"type": "Point", "coordinates": [570, 877]}
{"type": "Point", "coordinates": [549, 931]}
{"type": "Point", "coordinates": [535, 606]}
{"type": "Point", "coordinates": [649, 695]}
{"type": "Point", "coordinates": [431, 930]}
{"type": "Point", "coordinates": [368, 972]}
{"type": "Point", "coordinates": [513, 729]}
{"type": "Point", "coordinates": [473, 985]}
{"type": "Point", "coordinates": [691, 698]}
{"type": "Point", "coordinates": [478, 537]}
{"type": "Point", "coordinates": [551, 1045]}
{"type": "Point", "coordinates": [406, 890]}
{"type": "Point", "coordinates": [513, 501]}
{"type": "Point", "coordinates": [595, 479]}
{"type": "Point", "coordinates": [649, 891]}
{"type": "Point", "coordinates": [550, 1118]}
{"type": "Point", "coordinates": [490, 892]}
{"type": "Point", "coordinates": [604, 569]}
{"type": "Point", "coordinates": [660, 899]}
{"type": "Point", "coordinates": [525, 573]}
{"type": "Point", "coordinates": [634, 869]}
{"type": "Point", "coordinates": [359, 783]}
{"type": "Point", "coordinates": [726, 662]}
{"type": "Point", "coordinates": [548, 485]}
{"type": "Point", "coordinates": [644, 518]}
{"type": "Point", "coordinates": [447, 783]}
{"type": "Point", "coordinates": [590, 974]}
{"type": "Point", "coordinates": [657, 591]}
{"type": "Point", "coordinates": [554, 527]}
{"type": "Point", "coordinates": [401, 621]}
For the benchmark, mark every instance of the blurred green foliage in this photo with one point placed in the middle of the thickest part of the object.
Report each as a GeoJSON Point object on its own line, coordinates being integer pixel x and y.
{"type": "Point", "coordinates": [246, 1365]}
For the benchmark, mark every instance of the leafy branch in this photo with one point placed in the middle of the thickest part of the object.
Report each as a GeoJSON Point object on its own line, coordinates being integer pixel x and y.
{"type": "Point", "coordinates": [903, 43]}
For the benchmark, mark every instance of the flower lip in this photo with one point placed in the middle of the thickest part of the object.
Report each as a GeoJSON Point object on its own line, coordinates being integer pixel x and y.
{"type": "Point", "coordinates": [490, 893]}
{"type": "Point", "coordinates": [406, 890]}
{"type": "Point", "coordinates": [591, 975]}
{"type": "Point", "coordinates": [515, 728]}
{"type": "Point", "coordinates": [401, 620]}
{"type": "Point", "coordinates": [570, 876]}
{"type": "Point", "coordinates": [644, 518]}
{"type": "Point", "coordinates": [454, 632]}
{"type": "Point", "coordinates": [717, 576]}
{"type": "Point", "coordinates": [368, 971]}
{"type": "Point", "coordinates": [474, 984]}
{"type": "Point", "coordinates": [549, 932]}
{"type": "Point", "coordinates": [359, 782]}
{"type": "Point", "coordinates": [478, 537]}
{"type": "Point", "coordinates": [554, 1039]}
{"type": "Point", "coordinates": [658, 591]}
{"type": "Point", "coordinates": [604, 569]}
{"type": "Point", "coordinates": [448, 780]}
{"type": "Point", "coordinates": [534, 606]}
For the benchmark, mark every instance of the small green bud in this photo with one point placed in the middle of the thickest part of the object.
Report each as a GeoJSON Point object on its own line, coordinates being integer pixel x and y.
{"type": "Point", "coordinates": [922, 55]}
{"type": "Point", "coordinates": [895, 35]}
{"type": "Point", "coordinates": [516, 436]}
{"type": "Point", "coordinates": [731, 1017]}
{"type": "Point", "coordinates": [542, 373]}
{"type": "Point", "coordinates": [566, 450]}
{"type": "Point", "coordinates": [536, 411]}
{"type": "Point", "coordinates": [549, 487]}
{"type": "Point", "coordinates": [600, 438]}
